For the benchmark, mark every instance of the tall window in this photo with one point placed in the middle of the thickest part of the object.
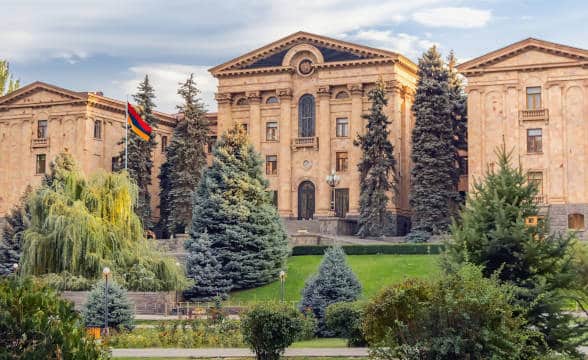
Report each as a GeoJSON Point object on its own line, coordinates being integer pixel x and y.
{"type": "Point", "coordinates": [306, 113]}
{"type": "Point", "coordinates": [534, 141]}
{"type": "Point", "coordinates": [163, 143]}
{"type": "Point", "coordinates": [536, 177]}
{"type": "Point", "coordinates": [341, 163]}
{"type": "Point", "coordinates": [534, 98]}
{"type": "Point", "coordinates": [97, 129]}
{"type": "Point", "coordinates": [211, 143]}
{"type": "Point", "coordinates": [271, 165]}
{"type": "Point", "coordinates": [41, 163]}
{"type": "Point", "coordinates": [342, 127]}
{"type": "Point", "coordinates": [271, 131]}
{"type": "Point", "coordinates": [42, 129]}
{"type": "Point", "coordinates": [245, 128]}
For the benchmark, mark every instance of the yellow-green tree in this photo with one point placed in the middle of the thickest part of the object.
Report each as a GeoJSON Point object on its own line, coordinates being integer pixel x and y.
{"type": "Point", "coordinates": [7, 82]}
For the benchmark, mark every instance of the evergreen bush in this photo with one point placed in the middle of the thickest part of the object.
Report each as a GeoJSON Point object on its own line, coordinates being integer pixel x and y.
{"type": "Point", "coordinates": [344, 319]}
{"type": "Point", "coordinates": [11, 241]}
{"type": "Point", "coordinates": [121, 311]}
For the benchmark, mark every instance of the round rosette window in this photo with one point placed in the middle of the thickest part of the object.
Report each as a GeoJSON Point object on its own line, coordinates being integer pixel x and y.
{"type": "Point", "coordinates": [305, 67]}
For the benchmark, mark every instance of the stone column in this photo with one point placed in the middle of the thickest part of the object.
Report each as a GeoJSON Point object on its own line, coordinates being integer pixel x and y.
{"type": "Point", "coordinates": [323, 198]}
{"type": "Point", "coordinates": [395, 95]}
{"type": "Point", "coordinates": [356, 126]}
{"type": "Point", "coordinates": [285, 154]}
{"type": "Point", "coordinates": [254, 99]}
{"type": "Point", "coordinates": [224, 117]}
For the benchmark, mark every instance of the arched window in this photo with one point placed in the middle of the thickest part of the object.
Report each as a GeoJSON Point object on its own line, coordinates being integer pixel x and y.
{"type": "Point", "coordinates": [241, 101]}
{"type": "Point", "coordinates": [306, 116]}
{"type": "Point", "coordinates": [342, 95]}
{"type": "Point", "coordinates": [576, 222]}
{"type": "Point", "coordinates": [272, 100]}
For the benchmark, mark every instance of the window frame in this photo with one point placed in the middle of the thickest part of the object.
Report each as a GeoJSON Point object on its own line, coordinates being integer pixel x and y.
{"type": "Point", "coordinates": [271, 165]}
{"type": "Point", "coordinates": [98, 126]}
{"type": "Point", "coordinates": [578, 220]}
{"type": "Point", "coordinates": [341, 161]}
{"type": "Point", "coordinates": [344, 126]}
{"type": "Point", "coordinates": [272, 125]}
{"type": "Point", "coordinates": [37, 163]}
{"type": "Point", "coordinates": [42, 134]}
{"type": "Point", "coordinates": [541, 177]}
{"type": "Point", "coordinates": [535, 142]}
{"type": "Point", "coordinates": [533, 97]}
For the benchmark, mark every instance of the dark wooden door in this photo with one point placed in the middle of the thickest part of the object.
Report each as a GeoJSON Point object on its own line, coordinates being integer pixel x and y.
{"type": "Point", "coordinates": [306, 200]}
{"type": "Point", "coordinates": [341, 202]}
{"type": "Point", "coordinates": [306, 115]}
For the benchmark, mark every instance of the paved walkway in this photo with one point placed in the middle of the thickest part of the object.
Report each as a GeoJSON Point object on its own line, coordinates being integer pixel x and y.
{"type": "Point", "coordinates": [235, 353]}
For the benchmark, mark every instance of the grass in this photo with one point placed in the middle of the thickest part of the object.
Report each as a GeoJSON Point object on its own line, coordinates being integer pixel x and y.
{"type": "Point", "coordinates": [373, 271]}
{"type": "Point", "coordinates": [321, 343]}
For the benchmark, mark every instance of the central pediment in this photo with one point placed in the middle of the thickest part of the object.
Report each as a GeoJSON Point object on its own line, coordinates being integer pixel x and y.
{"type": "Point", "coordinates": [323, 51]}
{"type": "Point", "coordinates": [41, 93]}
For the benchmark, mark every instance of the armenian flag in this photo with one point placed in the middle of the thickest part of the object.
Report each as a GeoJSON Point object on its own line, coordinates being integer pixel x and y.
{"type": "Point", "coordinates": [138, 125]}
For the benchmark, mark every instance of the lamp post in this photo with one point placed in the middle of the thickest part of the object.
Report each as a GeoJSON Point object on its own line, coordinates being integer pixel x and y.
{"type": "Point", "coordinates": [106, 272]}
{"type": "Point", "coordinates": [282, 281]}
{"type": "Point", "coordinates": [333, 180]}
{"type": "Point", "coordinates": [176, 305]}
{"type": "Point", "coordinates": [15, 268]}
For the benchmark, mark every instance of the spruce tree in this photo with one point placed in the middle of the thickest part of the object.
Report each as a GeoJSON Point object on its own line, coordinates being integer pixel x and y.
{"type": "Point", "coordinates": [121, 311]}
{"type": "Point", "coordinates": [334, 282]}
{"type": "Point", "coordinates": [233, 205]}
{"type": "Point", "coordinates": [140, 152]}
{"type": "Point", "coordinates": [164, 187]}
{"type": "Point", "coordinates": [433, 153]}
{"type": "Point", "coordinates": [205, 270]}
{"type": "Point", "coordinates": [376, 168]}
{"type": "Point", "coordinates": [186, 158]}
{"type": "Point", "coordinates": [17, 221]}
{"type": "Point", "coordinates": [492, 232]}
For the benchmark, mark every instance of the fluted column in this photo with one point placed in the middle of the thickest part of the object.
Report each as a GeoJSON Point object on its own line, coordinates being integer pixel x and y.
{"type": "Point", "coordinates": [323, 123]}
{"type": "Point", "coordinates": [355, 127]}
{"type": "Point", "coordinates": [395, 95]}
{"type": "Point", "coordinates": [224, 117]}
{"type": "Point", "coordinates": [285, 154]}
{"type": "Point", "coordinates": [254, 99]}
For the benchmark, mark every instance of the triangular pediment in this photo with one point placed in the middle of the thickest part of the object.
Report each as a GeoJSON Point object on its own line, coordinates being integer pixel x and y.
{"type": "Point", "coordinates": [39, 92]}
{"type": "Point", "coordinates": [273, 54]}
{"type": "Point", "coordinates": [527, 54]}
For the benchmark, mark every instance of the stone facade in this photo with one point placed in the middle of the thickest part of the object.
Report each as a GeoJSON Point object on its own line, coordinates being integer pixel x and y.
{"type": "Point", "coordinates": [301, 99]}
{"type": "Point", "coordinates": [42, 119]}
{"type": "Point", "coordinates": [533, 96]}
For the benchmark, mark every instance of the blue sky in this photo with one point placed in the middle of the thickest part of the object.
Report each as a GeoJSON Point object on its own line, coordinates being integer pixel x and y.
{"type": "Point", "coordinates": [109, 45]}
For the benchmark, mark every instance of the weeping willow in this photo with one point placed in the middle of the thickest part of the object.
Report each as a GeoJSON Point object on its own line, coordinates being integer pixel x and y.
{"type": "Point", "coordinates": [80, 225]}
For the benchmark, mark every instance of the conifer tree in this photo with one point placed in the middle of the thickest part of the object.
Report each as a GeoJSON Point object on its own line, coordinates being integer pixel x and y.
{"type": "Point", "coordinates": [433, 153]}
{"type": "Point", "coordinates": [186, 158]}
{"type": "Point", "coordinates": [334, 282]}
{"type": "Point", "coordinates": [17, 222]}
{"type": "Point", "coordinates": [205, 270]}
{"type": "Point", "coordinates": [140, 152]}
{"type": "Point", "coordinates": [233, 205]}
{"type": "Point", "coordinates": [376, 168]}
{"type": "Point", "coordinates": [544, 266]}
{"type": "Point", "coordinates": [164, 187]}
{"type": "Point", "coordinates": [121, 311]}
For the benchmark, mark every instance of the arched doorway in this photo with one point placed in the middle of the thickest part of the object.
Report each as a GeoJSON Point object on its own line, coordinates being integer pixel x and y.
{"type": "Point", "coordinates": [305, 200]}
{"type": "Point", "coordinates": [306, 116]}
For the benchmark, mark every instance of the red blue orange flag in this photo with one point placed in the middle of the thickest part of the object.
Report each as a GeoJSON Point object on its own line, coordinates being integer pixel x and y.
{"type": "Point", "coordinates": [138, 125]}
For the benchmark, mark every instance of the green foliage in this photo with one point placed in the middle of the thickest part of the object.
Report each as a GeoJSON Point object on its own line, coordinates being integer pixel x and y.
{"type": "Point", "coordinates": [391, 249]}
{"type": "Point", "coordinates": [545, 267]}
{"type": "Point", "coordinates": [7, 83]}
{"type": "Point", "coordinates": [376, 168]}
{"type": "Point", "coordinates": [308, 329]}
{"type": "Point", "coordinates": [81, 225]}
{"type": "Point", "coordinates": [186, 158]}
{"type": "Point", "coordinates": [433, 153]}
{"type": "Point", "coordinates": [120, 309]}
{"type": "Point", "coordinates": [461, 316]}
{"type": "Point", "coordinates": [344, 319]}
{"type": "Point", "coordinates": [65, 281]}
{"type": "Point", "coordinates": [234, 207]}
{"type": "Point", "coordinates": [458, 101]}
{"type": "Point", "coordinates": [36, 323]}
{"type": "Point", "coordinates": [11, 241]}
{"type": "Point", "coordinates": [269, 329]}
{"type": "Point", "coordinates": [333, 283]}
{"type": "Point", "coordinates": [140, 152]}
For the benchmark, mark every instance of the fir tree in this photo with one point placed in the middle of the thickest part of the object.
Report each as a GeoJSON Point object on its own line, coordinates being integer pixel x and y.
{"type": "Point", "coordinates": [164, 187]}
{"type": "Point", "coordinates": [186, 158]}
{"type": "Point", "coordinates": [376, 168]}
{"type": "Point", "coordinates": [140, 161]}
{"type": "Point", "coordinates": [492, 232]}
{"type": "Point", "coordinates": [334, 282]}
{"type": "Point", "coordinates": [205, 270]}
{"type": "Point", "coordinates": [233, 205]}
{"type": "Point", "coordinates": [17, 221]}
{"type": "Point", "coordinates": [433, 154]}
{"type": "Point", "coordinates": [121, 311]}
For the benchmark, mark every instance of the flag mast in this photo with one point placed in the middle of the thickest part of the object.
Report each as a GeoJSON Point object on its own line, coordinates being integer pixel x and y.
{"type": "Point", "coordinates": [126, 132]}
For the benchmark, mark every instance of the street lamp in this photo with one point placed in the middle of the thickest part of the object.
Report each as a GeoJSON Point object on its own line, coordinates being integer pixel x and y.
{"type": "Point", "coordinates": [282, 281]}
{"type": "Point", "coordinates": [15, 268]}
{"type": "Point", "coordinates": [177, 310]}
{"type": "Point", "coordinates": [106, 272]}
{"type": "Point", "coordinates": [333, 180]}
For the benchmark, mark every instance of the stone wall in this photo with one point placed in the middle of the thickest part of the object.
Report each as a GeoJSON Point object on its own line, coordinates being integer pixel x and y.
{"type": "Point", "coordinates": [145, 302]}
{"type": "Point", "coordinates": [558, 217]}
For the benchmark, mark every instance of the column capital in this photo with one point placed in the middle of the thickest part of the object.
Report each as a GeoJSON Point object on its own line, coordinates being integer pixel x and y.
{"type": "Point", "coordinates": [355, 89]}
{"type": "Point", "coordinates": [223, 98]}
{"type": "Point", "coordinates": [393, 86]}
{"type": "Point", "coordinates": [254, 97]}
{"type": "Point", "coordinates": [285, 93]}
{"type": "Point", "coordinates": [323, 91]}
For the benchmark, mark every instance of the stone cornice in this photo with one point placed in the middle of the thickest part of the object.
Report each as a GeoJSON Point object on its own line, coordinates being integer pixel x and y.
{"type": "Point", "coordinates": [254, 97]}
{"type": "Point", "coordinates": [522, 68]}
{"type": "Point", "coordinates": [323, 91]}
{"type": "Point", "coordinates": [285, 93]}
{"type": "Point", "coordinates": [355, 89]}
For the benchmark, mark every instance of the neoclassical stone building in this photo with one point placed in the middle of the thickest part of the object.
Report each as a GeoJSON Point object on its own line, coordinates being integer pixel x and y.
{"type": "Point", "coordinates": [533, 95]}
{"type": "Point", "coordinates": [301, 99]}
{"type": "Point", "coordinates": [38, 121]}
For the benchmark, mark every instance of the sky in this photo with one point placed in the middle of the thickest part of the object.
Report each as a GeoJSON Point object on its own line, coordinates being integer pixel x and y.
{"type": "Point", "coordinates": [110, 45]}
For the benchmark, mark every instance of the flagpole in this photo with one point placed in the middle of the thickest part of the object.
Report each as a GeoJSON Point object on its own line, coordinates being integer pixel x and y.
{"type": "Point", "coordinates": [126, 132]}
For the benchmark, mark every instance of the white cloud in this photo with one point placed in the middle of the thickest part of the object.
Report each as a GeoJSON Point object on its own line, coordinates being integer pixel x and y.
{"type": "Point", "coordinates": [455, 17]}
{"type": "Point", "coordinates": [405, 44]}
{"type": "Point", "coordinates": [165, 79]}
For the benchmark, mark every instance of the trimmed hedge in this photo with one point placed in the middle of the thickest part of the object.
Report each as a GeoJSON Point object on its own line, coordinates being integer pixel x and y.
{"type": "Point", "coordinates": [388, 249]}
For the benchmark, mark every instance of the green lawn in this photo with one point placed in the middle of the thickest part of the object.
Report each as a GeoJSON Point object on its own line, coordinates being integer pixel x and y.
{"type": "Point", "coordinates": [374, 272]}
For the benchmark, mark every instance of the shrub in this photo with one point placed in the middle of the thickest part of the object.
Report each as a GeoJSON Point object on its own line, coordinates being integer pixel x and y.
{"type": "Point", "coordinates": [388, 249]}
{"type": "Point", "coordinates": [344, 319]}
{"type": "Point", "coordinates": [36, 324]}
{"type": "Point", "coordinates": [334, 282]}
{"type": "Point", "coordinates": [67, 282]}
{"type": "Point", "coordinates": [120, 308]}
{"type": "Point", "coordinates": [269, 329]}
{"type": "Point", "coordinates": [308, 326]}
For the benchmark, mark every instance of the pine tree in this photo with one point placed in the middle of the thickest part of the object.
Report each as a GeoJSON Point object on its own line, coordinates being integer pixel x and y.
{"type": "Point", "coordinates": [164, 187]}
{"type": "Point", "coordinates": [492, 233]}
{"type": "Point", "coordinates": [186, 158]}
{"type": "Point", "coordinates": [334, 282]}
{"type": "Point", "coordinates": [121, 311]}
{"type": "Point", "coordinates": [7, 83]}
{"type": "Point", "coordinates": [432, 149]}
{"type": "Point", "coordinates": [140, 152]}
{"type": "Point", "coordinates": [233, 205]}
{"type": "Point", "coordinates": [205, 270]}
{"type": "Point", "coordinates": [376, 167]}
{"type": "Point", "coordinates": [17, 221]}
